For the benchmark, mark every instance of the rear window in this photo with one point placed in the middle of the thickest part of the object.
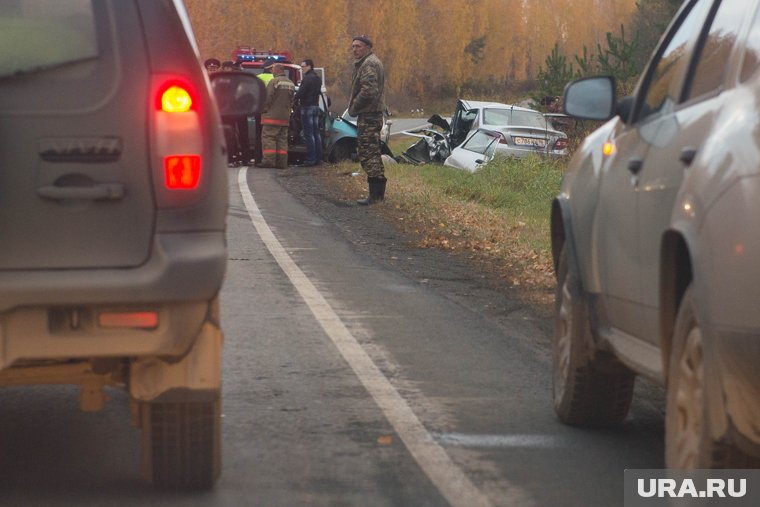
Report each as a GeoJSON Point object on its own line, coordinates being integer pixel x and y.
{"type": "Point", "coordinates": [528, 119]}
{"type": "Point", "coordinates": [513, 117]}
{"type": "Point", "coordinates": [40, 34]}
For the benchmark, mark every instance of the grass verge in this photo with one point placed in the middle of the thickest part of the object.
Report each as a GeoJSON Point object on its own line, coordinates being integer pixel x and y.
{"type": "Point", "coordinates": [498, 216]}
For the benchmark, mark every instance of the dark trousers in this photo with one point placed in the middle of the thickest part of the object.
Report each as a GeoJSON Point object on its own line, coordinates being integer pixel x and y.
{"type": "Point", "coordinates": [310, 125]}
{"type": "Point", "coordinates": [236, 137]}
{"type": "Point", "coordinates": [244, 144]}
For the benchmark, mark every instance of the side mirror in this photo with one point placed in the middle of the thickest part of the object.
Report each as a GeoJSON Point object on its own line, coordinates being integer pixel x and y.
{"type": "Point", "coordinates": [591, 98]}
{"type": "Point", "coordinates": [238, 94]}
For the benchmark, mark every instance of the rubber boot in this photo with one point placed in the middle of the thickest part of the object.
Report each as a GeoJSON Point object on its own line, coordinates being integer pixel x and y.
{"type": "Point", "coordinates": [376, 191]}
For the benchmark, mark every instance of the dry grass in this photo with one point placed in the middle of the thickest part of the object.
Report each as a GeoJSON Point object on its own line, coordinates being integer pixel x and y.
{"type": "Point", "coordinates": [499, 222]}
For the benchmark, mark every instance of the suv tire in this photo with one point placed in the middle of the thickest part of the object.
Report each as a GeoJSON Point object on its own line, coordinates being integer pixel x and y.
{"type": "Point", "coordinates": [182, 444]}
{"type": "Point", "coordinates": [688, 444]}
{"type": "Point", "coordinates": [588, 388]}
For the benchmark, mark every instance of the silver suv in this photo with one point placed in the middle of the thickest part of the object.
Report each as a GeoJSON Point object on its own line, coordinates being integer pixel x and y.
{"type": "Point", "coordinates": [113, 197]}
{"type": "Point", "coordinates": [656, 239]}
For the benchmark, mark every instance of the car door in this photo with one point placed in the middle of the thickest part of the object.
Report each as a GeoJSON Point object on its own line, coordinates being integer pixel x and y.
{"type": "Point", "coordinates": [476, 151]}
{"type": "Point", "coordinates": [617, 228]}
{"type": "Point", "coordinates": [461, 123]}
{"type": "Point", "coordinates": [678, 140]}
{"type": "Point", "coordinates": [75, 185]}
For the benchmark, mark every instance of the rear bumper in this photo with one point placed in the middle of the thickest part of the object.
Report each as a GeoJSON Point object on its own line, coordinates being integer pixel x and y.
{"type": "Point", "coordinates": [26, 334]}
{"type": "Point", "coordinates": [52, 314]}
{"type": "Point", "coordinates": [181, 267]}
{"type": "Point", "coordinates": [521, 153]}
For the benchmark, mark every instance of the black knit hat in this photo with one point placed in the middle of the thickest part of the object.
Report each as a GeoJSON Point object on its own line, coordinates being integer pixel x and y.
{"type": "Point", "coordinates": [364, 39]}
{"type": "Point", "coordinates": [269, 62]}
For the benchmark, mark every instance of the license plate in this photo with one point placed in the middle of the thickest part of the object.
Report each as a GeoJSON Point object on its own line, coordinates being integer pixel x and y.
{"type": "Point", "coordinates": [530, 141]}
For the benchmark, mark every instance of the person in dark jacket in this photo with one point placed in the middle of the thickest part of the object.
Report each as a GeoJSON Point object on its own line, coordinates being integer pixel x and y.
{"type": "Point", "coordinates": [307, 99]}
{"type": "Point", "coordinates": [367, 103]}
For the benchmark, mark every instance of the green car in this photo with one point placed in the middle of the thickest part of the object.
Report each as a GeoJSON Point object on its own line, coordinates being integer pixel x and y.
{"type": "Point", "coordinates": [339, 135]}
{"type": "Point", "coordinates": [340, 141]}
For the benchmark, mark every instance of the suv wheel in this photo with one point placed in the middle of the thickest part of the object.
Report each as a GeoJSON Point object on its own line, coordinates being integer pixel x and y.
{"type": "Point", "coordinates": [588, 388]}
{"type": "Point", "coordinates": [688, 444]}
{"type": "Point", "coordinates": [182, 444]}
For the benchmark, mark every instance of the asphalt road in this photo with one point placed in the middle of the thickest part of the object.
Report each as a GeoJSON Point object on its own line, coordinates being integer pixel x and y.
{"type": "Point", "coordinates": [357, 371]}
{"type": "Point", "coordinates": [401, 124]}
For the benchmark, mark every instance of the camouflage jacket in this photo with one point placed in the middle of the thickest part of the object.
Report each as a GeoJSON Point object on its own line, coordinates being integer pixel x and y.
{"type": "Point", "coordinates": [280, 92]}
{"type": "Point", "coordinates": [367, 83]}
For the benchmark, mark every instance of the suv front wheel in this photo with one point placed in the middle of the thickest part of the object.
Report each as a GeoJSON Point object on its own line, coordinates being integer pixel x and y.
{"type": "Point", "coordinates": [589, 388]}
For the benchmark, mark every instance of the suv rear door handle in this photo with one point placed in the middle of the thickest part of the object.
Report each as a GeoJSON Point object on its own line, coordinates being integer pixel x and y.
{"type": "Point", "coordinates": [104, 191]}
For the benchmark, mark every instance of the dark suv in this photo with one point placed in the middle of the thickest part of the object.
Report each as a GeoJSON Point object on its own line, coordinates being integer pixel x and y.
{"type": "Point", "coordinates": [656, 237]}
{"type": "Point", "coordinates": [113, 197]}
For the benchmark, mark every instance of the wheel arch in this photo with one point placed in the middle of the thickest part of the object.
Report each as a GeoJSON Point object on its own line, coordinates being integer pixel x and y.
{"type": "Point", "coordinates": [339, 144]}
{"type": "Point", "coordinates": [676, 273]}
{"type": "Point", "coordinates": [561, 233]}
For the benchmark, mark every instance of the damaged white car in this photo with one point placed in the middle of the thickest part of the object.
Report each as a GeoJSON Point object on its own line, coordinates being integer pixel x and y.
{"type": "Point", "coordinates": [515, 132]}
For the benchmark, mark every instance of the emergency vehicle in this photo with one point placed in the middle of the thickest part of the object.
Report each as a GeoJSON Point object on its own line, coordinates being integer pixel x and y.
{"type": "Point", "coordinates": [252, 60]}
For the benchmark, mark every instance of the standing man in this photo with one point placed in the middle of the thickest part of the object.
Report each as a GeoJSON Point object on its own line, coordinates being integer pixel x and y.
{"type": "Point", "coordinates": [307, 97]}
{"type": "Point", "coordinates": [367, 102]}
{"type": "Point", "coordinates": [275, 119]}
{"type": "Point", "coordinates": [265, 76]}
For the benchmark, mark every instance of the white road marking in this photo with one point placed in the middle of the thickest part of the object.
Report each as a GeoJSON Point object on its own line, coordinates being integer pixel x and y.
{"type": "Point", "coordinates": [465, 440]}
{"type": "Point", "coordinates": [452, 483]}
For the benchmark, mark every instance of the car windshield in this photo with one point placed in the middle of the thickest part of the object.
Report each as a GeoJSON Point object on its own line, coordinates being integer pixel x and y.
{"type": "Point", "coordinates": [501, 116]}
{"type": "Point", "coordinates": [39, 34]}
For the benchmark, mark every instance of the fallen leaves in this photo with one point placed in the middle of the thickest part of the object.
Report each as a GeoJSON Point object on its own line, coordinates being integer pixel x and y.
{"type": "Point", "coordinates": [495, 241]}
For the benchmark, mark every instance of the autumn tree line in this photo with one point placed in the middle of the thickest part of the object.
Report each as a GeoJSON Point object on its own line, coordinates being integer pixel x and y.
{"type": "Point", "coordinates": [435, 50]}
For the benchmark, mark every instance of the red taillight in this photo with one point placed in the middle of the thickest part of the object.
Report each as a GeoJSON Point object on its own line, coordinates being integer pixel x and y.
{"type": "Point", "coordinates": [561, 144]}
{"type": "Point", "coordinates": [139, 320]}
{"type": "Point", "coordinates": [182, 171]}
{"type": "Point", "coordinates": [178, 138]}
{"type": "Point", "coordinates": [176, 99]}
